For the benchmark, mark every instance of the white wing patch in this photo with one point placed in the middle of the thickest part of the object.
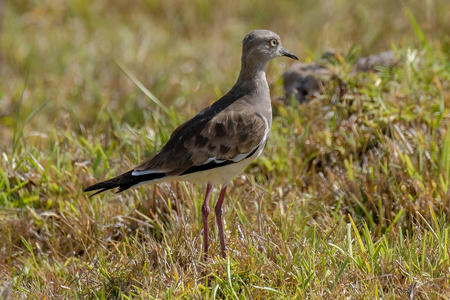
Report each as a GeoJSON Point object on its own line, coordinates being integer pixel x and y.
{"type": "Point", "coordinates": [145, 172]}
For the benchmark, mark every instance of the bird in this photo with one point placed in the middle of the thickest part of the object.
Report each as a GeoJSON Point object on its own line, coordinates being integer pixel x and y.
{"type": "Point", "coordinates": [221, 140]}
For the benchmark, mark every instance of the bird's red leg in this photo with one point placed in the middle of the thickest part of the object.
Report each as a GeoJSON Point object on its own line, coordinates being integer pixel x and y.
{"type": "Point", "coordinates": [218, 210]}
{"type": "Point", "coordinates": [205, 213]}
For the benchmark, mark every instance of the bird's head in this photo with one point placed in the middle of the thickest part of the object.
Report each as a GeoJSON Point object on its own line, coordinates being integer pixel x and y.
{"type": "Point", "coordinates": [264, 45]}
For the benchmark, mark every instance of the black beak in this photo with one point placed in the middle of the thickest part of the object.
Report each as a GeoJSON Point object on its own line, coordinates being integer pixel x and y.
{"type": "Point", "coordinates": [286, 52]}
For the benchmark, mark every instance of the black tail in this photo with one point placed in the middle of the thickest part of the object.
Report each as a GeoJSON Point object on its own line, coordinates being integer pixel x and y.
{"type": "Point", "coordinates": [123, 182]}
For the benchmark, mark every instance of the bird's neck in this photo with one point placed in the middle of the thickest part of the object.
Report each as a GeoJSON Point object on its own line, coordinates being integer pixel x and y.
{"type": "Point", "coordinates": [252, 80]}
{"type": "Point", "coordinates": [253, 75]}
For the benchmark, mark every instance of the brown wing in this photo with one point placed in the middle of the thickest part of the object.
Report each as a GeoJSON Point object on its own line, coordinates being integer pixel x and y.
{"type": "Point", "coordinates": [227, 136]}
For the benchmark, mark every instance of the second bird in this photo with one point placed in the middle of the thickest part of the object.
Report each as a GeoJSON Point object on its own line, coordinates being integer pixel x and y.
{"type": "Point", "coordinates": [221, 140]}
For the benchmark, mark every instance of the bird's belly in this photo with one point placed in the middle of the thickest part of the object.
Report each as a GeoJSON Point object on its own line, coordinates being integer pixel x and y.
{"type": "Point", "coordinates": [221, 175]}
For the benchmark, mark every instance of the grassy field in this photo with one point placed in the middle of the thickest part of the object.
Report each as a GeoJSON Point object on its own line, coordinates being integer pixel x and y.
{"type": "Point", "coordinates": [349, 200]}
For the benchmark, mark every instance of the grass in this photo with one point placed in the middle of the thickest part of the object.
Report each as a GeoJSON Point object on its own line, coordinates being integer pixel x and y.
{"type": "Point", "coordinates": [349, 199]}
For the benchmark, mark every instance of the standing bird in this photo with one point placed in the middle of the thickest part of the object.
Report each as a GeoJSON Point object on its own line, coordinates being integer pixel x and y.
{"type": "Point", "coordinates": [221, 140]}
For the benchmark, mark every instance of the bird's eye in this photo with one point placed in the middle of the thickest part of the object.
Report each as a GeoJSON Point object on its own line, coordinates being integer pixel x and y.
{"type": "Point", "coordinates": [273, 42]}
